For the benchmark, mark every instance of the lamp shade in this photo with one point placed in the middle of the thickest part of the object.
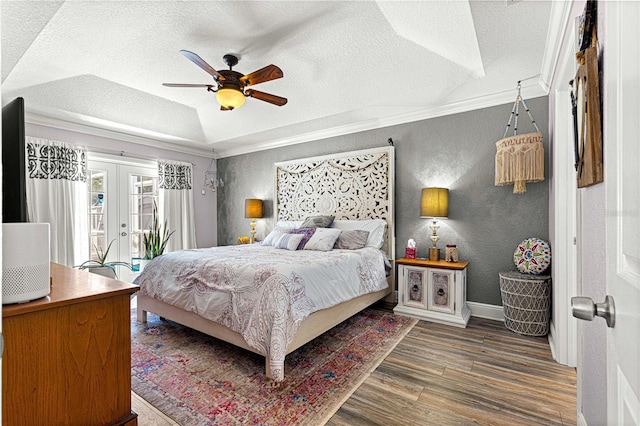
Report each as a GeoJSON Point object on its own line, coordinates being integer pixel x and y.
{"type": "Point", "coordinates": [435, 203]}
{"type": "Point", "coordinates": [253, 208]}
{"type": "Point", "coordinates": [230, 98]}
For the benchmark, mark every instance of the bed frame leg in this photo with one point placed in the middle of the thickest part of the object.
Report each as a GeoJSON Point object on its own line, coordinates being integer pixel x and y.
{"type": "Point", "coordinates": [267, 366]}
{"type": "Point", "coordinates": [142, 315]}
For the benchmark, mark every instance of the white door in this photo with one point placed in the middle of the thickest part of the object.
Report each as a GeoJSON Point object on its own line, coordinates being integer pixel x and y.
{"type": "Point", "coordinates": [121, 200]}
{"type": "Point", "coordinates": [138, 191]}
{"type": "Point", "coordinates": [622, 180]}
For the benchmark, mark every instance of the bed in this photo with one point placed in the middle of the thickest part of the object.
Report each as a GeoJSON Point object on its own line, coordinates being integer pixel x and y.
{"type": "Point", "coordinates": [271, 300]}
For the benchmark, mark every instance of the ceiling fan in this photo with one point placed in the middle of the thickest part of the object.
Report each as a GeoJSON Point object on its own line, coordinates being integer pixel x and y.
{"type": "Point", "coordinates": [231, 86]}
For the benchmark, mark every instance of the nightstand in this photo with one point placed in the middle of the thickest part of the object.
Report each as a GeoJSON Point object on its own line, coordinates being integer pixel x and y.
{"type": "Point", "coordinates": [433, 291]}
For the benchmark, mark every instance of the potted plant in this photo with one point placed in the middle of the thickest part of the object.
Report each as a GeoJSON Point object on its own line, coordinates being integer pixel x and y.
{"type": "Point", "coordinates": [155, 239]}
{"type": "Point", "coordinates": [100, 265]}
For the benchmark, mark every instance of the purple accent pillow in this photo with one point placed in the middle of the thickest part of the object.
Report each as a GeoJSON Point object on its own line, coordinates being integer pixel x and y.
{"type": "Point", "coordinates": [307, 232]}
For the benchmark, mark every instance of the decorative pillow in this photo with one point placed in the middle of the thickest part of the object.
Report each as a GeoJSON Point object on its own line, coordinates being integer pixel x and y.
{"type": "Point", "coordinates": [376, 228]}
{"type": "Point", "coordinates": [293, 224]}
{"type": "Point", "coordinates": [289, 241]}
{"type": "Point", "coordinates": [352, 240]}
{"type": "Point", "coordinates": [323, 239]}
{"type": "Point", "coordinates": [532, 256]}
{"type": "Point", "coordinates": [317, 222]}
{"type": "Point", "coordinates": [306, 232]}
{"type": "Point", "coordinates": [275, 235]}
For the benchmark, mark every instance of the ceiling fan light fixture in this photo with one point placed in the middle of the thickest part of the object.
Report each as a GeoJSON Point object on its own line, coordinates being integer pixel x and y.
{"type": "Point", "coordinates": [231, 86]}
{"type": "Point", "coordinates": [230, 98]}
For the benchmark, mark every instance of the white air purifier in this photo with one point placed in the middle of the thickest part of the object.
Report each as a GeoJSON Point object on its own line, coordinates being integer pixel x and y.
{"type": "Point", "coordinates": [25, 262]}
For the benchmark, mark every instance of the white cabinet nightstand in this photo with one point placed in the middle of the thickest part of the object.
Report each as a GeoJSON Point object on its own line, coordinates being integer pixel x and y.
{"type": "Point", "coordinates": [433, 291]}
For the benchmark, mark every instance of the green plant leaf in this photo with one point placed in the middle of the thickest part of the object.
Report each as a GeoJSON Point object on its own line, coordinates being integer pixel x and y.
{"type": "Point", "coordinates": [102, 260]}
{"type": "Point", "coordinates": [155, 239]}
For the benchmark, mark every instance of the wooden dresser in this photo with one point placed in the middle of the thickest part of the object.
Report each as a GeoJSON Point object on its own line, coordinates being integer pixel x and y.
{"type": "Point", "coordinates": [67, 357]}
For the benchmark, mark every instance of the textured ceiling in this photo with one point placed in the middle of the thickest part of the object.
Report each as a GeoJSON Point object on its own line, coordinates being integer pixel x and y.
{"type": "Point", "coordinates": [348, 65]}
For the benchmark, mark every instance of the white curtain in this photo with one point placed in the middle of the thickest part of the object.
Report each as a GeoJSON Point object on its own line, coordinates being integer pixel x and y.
{"type": "Point", "coordinates": [175, 181]}
{"type": "Point", "coordinates": [57, 194]}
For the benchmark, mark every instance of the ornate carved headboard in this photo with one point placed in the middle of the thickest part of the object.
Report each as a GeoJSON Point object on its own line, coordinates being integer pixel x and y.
{"type": "Point", "coordinates": [353, 185]}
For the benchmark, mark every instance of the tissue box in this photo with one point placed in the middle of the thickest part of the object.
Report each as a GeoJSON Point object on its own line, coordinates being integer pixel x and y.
{"type": "Point", "coordinates": [410, 252]}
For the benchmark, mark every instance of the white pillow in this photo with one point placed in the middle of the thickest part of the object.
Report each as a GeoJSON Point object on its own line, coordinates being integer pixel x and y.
{"type": "Point", "coordinates": [289, 241]}
{"type": "Point", "coordinates": [295, 224]}
{"type": "Point", "coordinates": [275, 235]}
{"type": "Point", "coordinates": [323, 239]}
{"type": "Point", "coordinates": [376, 228]}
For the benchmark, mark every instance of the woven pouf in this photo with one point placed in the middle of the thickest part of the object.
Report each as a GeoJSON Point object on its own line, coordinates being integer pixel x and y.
{"type": "Point", "coordinates": [526, 301]}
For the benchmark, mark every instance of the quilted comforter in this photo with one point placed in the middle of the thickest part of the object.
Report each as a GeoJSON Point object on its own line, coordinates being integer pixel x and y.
{"type": "Point", "coordinates": [262, 292]}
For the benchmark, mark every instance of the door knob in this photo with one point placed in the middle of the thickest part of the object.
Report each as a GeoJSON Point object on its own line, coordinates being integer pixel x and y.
{"type": "Point", "coordinates": [584, 308]}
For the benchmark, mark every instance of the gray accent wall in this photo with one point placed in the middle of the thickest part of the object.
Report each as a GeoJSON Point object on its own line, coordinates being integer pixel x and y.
{"type": "Point", "coordinates": [456, 151]}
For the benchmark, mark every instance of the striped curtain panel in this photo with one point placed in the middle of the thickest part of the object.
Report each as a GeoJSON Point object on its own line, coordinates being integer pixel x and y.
{"type": "Point", "coordinates": [175, 183]}
{"type": "Point", "coordinates": [57, 194]}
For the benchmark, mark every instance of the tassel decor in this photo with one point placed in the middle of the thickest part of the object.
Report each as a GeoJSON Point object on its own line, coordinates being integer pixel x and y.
{"type": "Point", "coordinates": [519, 158]}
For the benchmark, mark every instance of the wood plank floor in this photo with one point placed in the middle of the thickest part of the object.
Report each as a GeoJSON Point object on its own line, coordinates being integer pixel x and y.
{"type": "Point", "coordinates": [442, 375]}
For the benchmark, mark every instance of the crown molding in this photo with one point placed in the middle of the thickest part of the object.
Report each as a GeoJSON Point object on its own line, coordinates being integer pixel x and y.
{"type": "Point", "coordinates": [127, 134]}
{"type": "Point", "coordinates": [347, 129]}
{"type": "Point", "coordinates": [558, 23]}
{"type": "Point", "coordinates": [528, 91]}
{"type": "Point", "coordinates": [124, 135]}
{"type": "Point", "coordinates": [533, 90]}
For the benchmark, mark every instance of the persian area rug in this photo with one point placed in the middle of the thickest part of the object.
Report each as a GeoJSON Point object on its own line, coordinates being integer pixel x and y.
{"type": "Point", "coordinates": [198, 380]}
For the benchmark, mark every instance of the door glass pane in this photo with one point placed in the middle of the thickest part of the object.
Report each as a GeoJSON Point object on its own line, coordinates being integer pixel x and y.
{"type": "Point", "coordinates": [143, 196]}
{"type": "Point", "coordinates": [97, 211]}
{"type": "Point", "coordinates": [136, 187]}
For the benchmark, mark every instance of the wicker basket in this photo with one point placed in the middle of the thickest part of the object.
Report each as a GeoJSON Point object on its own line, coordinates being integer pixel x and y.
{"type": "Point", "coordinates": [526, 301]}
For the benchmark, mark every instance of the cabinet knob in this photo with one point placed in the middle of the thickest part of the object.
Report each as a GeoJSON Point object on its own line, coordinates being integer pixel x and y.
{"type": "Point", "coordinates": [440, 292]}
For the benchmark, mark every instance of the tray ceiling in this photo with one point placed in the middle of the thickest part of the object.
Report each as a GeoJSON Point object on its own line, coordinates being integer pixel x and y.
{"type": "Point", "coordinates": [348, 65]}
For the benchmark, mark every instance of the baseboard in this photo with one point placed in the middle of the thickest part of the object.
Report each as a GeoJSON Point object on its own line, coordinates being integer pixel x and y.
{"type": "Point", "coordinates": [581, 420]}
{"type": "Point", "coordinates": [552, 340]}
{"type": "Point", "coordinates": [482, 310]}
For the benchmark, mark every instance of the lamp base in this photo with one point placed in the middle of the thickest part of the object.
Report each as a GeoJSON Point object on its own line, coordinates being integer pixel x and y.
{"type": "Point", "coordinates": [252, 239]}
{"type": "Point", "coordinates": [434, 253]}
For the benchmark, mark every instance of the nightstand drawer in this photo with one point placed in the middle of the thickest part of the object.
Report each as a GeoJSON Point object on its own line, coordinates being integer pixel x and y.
{"type": "Point", "coordinates": [414, 292]}
{"type": "Point", "coordinates": [441, 290]}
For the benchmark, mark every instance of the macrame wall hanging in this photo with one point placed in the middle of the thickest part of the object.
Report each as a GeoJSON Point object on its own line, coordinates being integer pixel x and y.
{"type": "Point", "coordinates": [519, 158]}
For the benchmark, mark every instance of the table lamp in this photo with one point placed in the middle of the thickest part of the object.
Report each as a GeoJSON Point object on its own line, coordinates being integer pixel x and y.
{"type": "Point", "coordinates": [253, 211]}
{"type": "Point", "coordinates": [434, 205]}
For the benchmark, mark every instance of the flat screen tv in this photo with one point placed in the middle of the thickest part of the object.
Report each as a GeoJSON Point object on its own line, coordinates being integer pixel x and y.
{"type": "Point", "coordinates": [14, 192]}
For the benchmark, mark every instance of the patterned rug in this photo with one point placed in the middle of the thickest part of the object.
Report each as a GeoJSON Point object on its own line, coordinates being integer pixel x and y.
{"type": "Point", "coordinates": [198, 380]}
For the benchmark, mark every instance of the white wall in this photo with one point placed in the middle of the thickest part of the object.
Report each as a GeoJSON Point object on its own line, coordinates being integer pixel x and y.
{"type": "Point", "coordinates": [205, 206]}
{"type": "Point", "coordinates": [562, 202]}
{"type": "Point", "coordinates": [591, 237]}
{"type": "Point", "coordinates": [592, 375]}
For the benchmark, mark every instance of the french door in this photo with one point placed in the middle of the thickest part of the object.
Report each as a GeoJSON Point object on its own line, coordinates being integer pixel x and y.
{"type": "Point", "coordinates": [121, 200]}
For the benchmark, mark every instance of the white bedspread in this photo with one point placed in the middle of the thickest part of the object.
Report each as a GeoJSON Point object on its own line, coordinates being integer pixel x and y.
{"type": "Point", "coordinates": [262, 292]}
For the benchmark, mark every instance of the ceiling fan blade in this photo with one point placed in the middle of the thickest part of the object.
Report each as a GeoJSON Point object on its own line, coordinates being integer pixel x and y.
{"type": "Point", "coordinates": [272, 99]}
{"type": "Point", "coordinates": [187, 85]}
{"type": "Point", "coordinates": [202, 64]}
{"type": "Point", "coordinates": [270, 72]}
